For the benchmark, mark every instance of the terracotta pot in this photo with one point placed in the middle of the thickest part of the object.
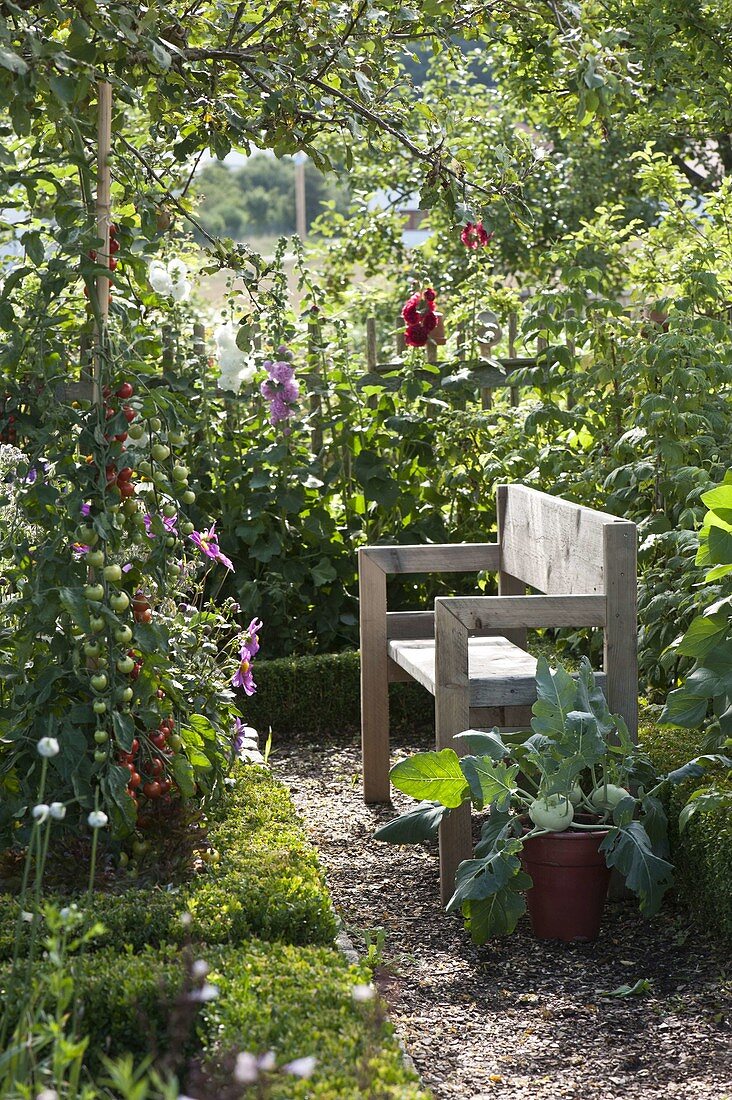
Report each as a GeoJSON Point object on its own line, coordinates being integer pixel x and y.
{"type": "Point", "coordinates": [570, 879]}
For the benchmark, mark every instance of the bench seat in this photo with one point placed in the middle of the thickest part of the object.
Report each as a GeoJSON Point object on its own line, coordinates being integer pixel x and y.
{"type": "Point", "coordinates": [501, 674]}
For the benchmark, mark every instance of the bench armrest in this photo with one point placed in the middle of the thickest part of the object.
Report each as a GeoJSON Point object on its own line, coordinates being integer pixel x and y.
{"type": "Point", "coordinates": [457, 557]}
{"type": "Point", "coordinates": [494, 612]}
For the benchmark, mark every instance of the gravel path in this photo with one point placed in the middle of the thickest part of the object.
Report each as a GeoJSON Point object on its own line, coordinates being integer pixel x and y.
{"type": "Point", "coordinates": [516, 1018]}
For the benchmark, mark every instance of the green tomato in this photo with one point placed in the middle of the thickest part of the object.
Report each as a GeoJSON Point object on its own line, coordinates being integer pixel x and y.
{"type": "Point", "coordinates": [99, 681]}
{"type": "Point", "coordinates": [88, 536]}
{"type": "Point", "coordinates": [124, 694]}
{"type": "Point", "coordinates": [92, 649]}
{"type": "Point", "coordinates": [160, 452]}
{"type": "Point", "coordinates": [123, 635]}
{"type": "Point", "coordinates": [101, 737]}
{"type": "Point", "coordinates": [175, 742]}
{"type": "Point", "coordinates": [94, 592]}
{"type": "Point", "coordinates": [169, 541]}
{"type": "Point", "coordinates": [553, 812]}
{"type": "Point", "coordinates": [112, 572]}
{"type": "Point", "coordinates": [176, 437]}
{"type": "Point", "coordinates": [100, 756]}
{"type": "Point", "coordinates": [77, 631]}
{"type": "Point", "coordinates": [159, 478]}
{"type": "Point", "coordinates": [130, 507]}
{"type": "Point", "coordinates": [170, 510]}
{"type": "Point", "coordinates": [95, 558]}
{"type": "Point", "coordinates": [188, 497]}
{"type": "Point", "coordinates": [119, 601]}
{"type": "Point", "coordinates": [99, 706]}
{"type": "Point", "coordinates": [145, 468]}
{"type": "Point", "coordinates": [135, 431]}
{"type": "Point", "coordinates": [173, 570]}
{"type": "Point", "coordinates": [124, 859]}
{"type": "Point", "coordinates": [96, 622]}
{"type": "Point", "coordinates": [187, 527]}
{"type": "Point", "coordinates": [180, 473]}
{"type": "Point", "coordinates": [139, 847]}
{"type": "Point", "coordinates": [125, 665]}
{"type": "Point", "coordinates": [155, 423]}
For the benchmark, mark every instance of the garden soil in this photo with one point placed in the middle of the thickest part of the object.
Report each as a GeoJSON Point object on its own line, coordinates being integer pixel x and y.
{"type": "Point", "coordinates": [516, 1018]}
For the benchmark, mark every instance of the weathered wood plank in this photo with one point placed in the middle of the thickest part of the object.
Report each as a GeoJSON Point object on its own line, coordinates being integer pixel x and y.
{"type": "Point", "coordinates": [552, 544]}
{"type": "Point", "coordinates": [374, 680]}
{"type": "Point", "coordinates": [500, 673]}
{"type": "Point", "coordinates": [494, 612]}
{"type": "Point", "coordinates": [459, 557]}
{"type": "Point", "coordinates": [509, 585]}
{"type": "Point", "coordinates": [452, 715]}
{"type": "Point", "coordinates": [621, 631]}
{"type": "Point", "coordinates": [419, 624]}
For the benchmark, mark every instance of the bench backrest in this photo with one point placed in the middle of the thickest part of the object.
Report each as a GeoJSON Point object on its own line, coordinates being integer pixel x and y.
{"type": "Point", "coordinates": [553, 545]}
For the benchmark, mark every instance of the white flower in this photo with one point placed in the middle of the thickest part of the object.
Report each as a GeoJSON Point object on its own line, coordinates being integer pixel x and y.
{"type": "Point", "coordinates": [159, 278]}
{"type": "Point", "coordinates": [200, 968]}
{"type": "Point", "coordinates": [267, 1062]}
{"type": "Point", "coordinates": [47, 1094]}
{"type": "Point", "coordinates": [97, 819]}
{"type": "Point", "coordinates": [363, 993]}
{"type": "Point", "coordinates": [48, 746]}
{"type": "Point", "coordinates": [57, 810]}
{"type": "Point", "coordinates": [246, 1069]}
{"type": "Point", "coordinates": [178, 273]}
{"type": "Point", "coordinates": [207, 992]}
{"type": "Point", "coordinates": [301, 1067]}
{"type": "Point", "coordinates": [235, 367]}
{"type": "Point", "coordinates": [27, 917]}
{"type": "Point", "coordinates": [186, 920]}
{"type": "Point", "coordinates": [41, 812]}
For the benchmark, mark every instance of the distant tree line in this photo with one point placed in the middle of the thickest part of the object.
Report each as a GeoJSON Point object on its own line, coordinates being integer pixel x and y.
{"type": "Point", "coordinates": [258, 198]}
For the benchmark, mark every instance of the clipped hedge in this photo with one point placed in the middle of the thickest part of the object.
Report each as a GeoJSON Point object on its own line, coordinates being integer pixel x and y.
{"type": "Point", "coordinates": [268, 883]}
{"type": "Point", "coordinates": [321, 695]}
{"type": "Point", "coordinates": [703, 853]}
{"type": "Point", "coordinates": [293, 1000]}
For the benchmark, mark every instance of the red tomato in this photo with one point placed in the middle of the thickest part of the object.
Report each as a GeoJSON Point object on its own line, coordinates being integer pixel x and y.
{"type": "Point", "coordinates": [109, 413]}
{"type": "Point", "coordinates": [126, 488]}
{"type": "Point", "coordinates": [152, 790]}
{"type": "Point", "coordinates": [165, 786]}
{"type": "Point", "coordinates": [112, 263]}
{"type": "Point", "coordinates": [113, 229]}
{"type": "Point", "coordinates": [135, 746]}
{"type": "Point", "coordinates": [156, 767]}
{"type": "Point", "coordinates": [129, 413]}
{"type": "Point", "coordinates": [125, 473]}
{"type": "Point", "coordinates": [121, 437]}
{"type": "Point", "coordinates": [135, 779]}
{"type": "Point", "coordinates": [158, 740]}
{"type": "Point", "coordinates": [125, 391]}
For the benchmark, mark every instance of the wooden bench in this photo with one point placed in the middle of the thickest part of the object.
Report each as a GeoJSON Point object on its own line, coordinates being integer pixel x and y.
{"type": "Point", "coordinates": [470, 652]}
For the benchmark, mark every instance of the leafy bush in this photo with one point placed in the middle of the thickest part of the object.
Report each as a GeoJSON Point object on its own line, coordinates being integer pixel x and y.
{"type": "Point", "coordinates": [703, 852]}
{"type": "Point", "coordinates": [293, 1000]}
{"type": "Point", "coordinates": [267, 883]}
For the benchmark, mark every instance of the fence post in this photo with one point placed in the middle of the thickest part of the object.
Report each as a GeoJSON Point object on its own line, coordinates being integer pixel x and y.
{"type": "Point", "coordinates": [316, 405]}
{"type": "Point", "coordinates": [512, 332]}
{"type": "Point", "coordinates": [400, 342]}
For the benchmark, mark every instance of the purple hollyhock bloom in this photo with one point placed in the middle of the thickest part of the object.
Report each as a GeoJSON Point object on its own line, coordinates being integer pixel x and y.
{"type": "Point", "coordinates": [290, 390]}
{"type": "Point", "coordinates": [85, 509]}
{"type": "Point", "coordinates": [282, 372]}
{"type": "Point", "coordinates": [208, 543]}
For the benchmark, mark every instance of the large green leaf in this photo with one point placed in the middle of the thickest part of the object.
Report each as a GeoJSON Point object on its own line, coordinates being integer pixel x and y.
{"type": "Point", "coordinates": [703, 635]}
{"type": "Point", "coordinates": [482, 743]}
{"type": "Point", "coordinates": [649, 876]}
{"type": "Point", "coordinates": [684, 708]}
{"type": "Point", "coordinates": [496, 826]}
{"type": "Point", "coordinates": [490, 782]}
{"type": "Point", "coordinates": [498, 914]}
{"type": "Point", "coordinates": [556, 695]}
{"type": "Point", "coordinates": [655, 822]}
{"type": "Point", "coordinates": [590, 698]}
{"type": "Point", "coordinates": [435, 776]}
{"type": "Point", "coordinates": [480, 878]}
{"type": "Point", "coordinates": [419, 823]}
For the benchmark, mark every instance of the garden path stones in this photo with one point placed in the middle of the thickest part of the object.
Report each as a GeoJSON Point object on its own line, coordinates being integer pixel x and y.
{"type": "Point", "coordinates": [516, 1018]}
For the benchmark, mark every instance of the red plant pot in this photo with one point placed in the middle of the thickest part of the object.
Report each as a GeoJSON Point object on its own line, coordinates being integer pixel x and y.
{"type": "Point", "coordinates": [570, 879]}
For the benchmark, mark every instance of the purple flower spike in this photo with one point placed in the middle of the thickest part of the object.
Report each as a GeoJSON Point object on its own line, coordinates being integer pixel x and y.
{"type": "Point", "coordinates": [208, 543]}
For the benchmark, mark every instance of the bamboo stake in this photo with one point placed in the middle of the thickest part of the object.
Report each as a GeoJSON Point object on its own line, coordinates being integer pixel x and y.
{"type": "Point", "coordinates": [104, 214]}
{"type": "Point", "coordinates": [512, 333]}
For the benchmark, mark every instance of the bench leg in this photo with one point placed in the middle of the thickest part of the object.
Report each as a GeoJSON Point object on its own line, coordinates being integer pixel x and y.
{"type": "Point", "coordinates": [374, 681]}
{"type": "Point", "coordinates": [452, 715]}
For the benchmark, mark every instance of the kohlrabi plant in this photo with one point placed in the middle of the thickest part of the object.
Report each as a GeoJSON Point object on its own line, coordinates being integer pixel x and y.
{"type": "Point", "coordinates": [577, 770]}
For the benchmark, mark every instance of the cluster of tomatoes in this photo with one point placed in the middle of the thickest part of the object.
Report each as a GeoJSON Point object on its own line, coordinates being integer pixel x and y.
{"type": "Point", "coordinates": [113, 250]}
{"type": "Point", "coordinates": [147, 763]}
{"type": "Point", "coordinates": [123, 392]}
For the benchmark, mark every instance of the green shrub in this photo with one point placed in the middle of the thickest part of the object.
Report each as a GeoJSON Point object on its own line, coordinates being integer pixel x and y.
{"type": "Point", "coordinates": [268, 883]}
{"type": "Point", "coordinates": [293, 1000]}
{"type": "Point", "coordinates": [703, 852]}
{"type": "Point", "coordinates": [321, 695]}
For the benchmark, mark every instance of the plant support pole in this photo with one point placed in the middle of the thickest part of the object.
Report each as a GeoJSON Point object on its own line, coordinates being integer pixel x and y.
{"type": "Point", "coordinates": [103, 212]}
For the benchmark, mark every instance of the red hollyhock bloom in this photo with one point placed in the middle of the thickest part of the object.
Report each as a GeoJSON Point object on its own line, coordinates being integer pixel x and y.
{"type": "Point", "coordinates": [410, 313]}
{"type": "Point", "coordinates": [429, 296]}
{"type": "Point", "coordinates": [416, 336]}
{"type": "Point", "coordinates": [474, 235]}
{"type": "Point", "coordinates": [429, 321]}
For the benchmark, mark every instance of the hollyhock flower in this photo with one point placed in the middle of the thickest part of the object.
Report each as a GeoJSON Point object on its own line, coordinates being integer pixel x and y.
{"type": "Point", "coordinates": [160, 278]}
{"type": "Point", "coordinates": [41, 812]}
{"type": "Point", "coordinates": [290, 390]}
{"type": "Point", "coordinates": [281, 371]}
{"type": "Point", "coordinates": [301, 1067]}
{"type": "Point", "coordinates": [181, 288]}
{"type": "Point", "coordinates": [410, 311]}
{"type": "Point", "coordinates": [235, 366]}
{"type": "Point", "coordinates": [474, 235]}
{"type": "Point", "coordinates": [281, 390]}
{"type": "Point", "coordinates": [208, 543]}
{"type": "Point", "coordinates": [416, 336]}
{"type": "Point", "coordinates": [429, 322]}
{"type": "Point", "coordinates": [429, 295]}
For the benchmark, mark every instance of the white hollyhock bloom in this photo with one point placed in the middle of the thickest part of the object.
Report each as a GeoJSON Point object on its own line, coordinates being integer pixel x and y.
{"type": "Point", "coordinates": [57, 810]}
{"type": "Point", "coordinates": [41, 812]}
{"type": "Point", "coordinates": [235, 367]}
{"type": "Point", "coordinates": [363, 993]}
{"type": "Point", "coordinates": [48, 746]}
{"type": "Point", "coordinates": [160, 278]}
{"type": "Point", "coordinates": [97, 819]}
{"type": "Point", "coordinates": [301, 1067]}
{"type": "Point", "coordinates": [178, 273]}
{"type": "Point", "coordinates": [246, 1070]}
